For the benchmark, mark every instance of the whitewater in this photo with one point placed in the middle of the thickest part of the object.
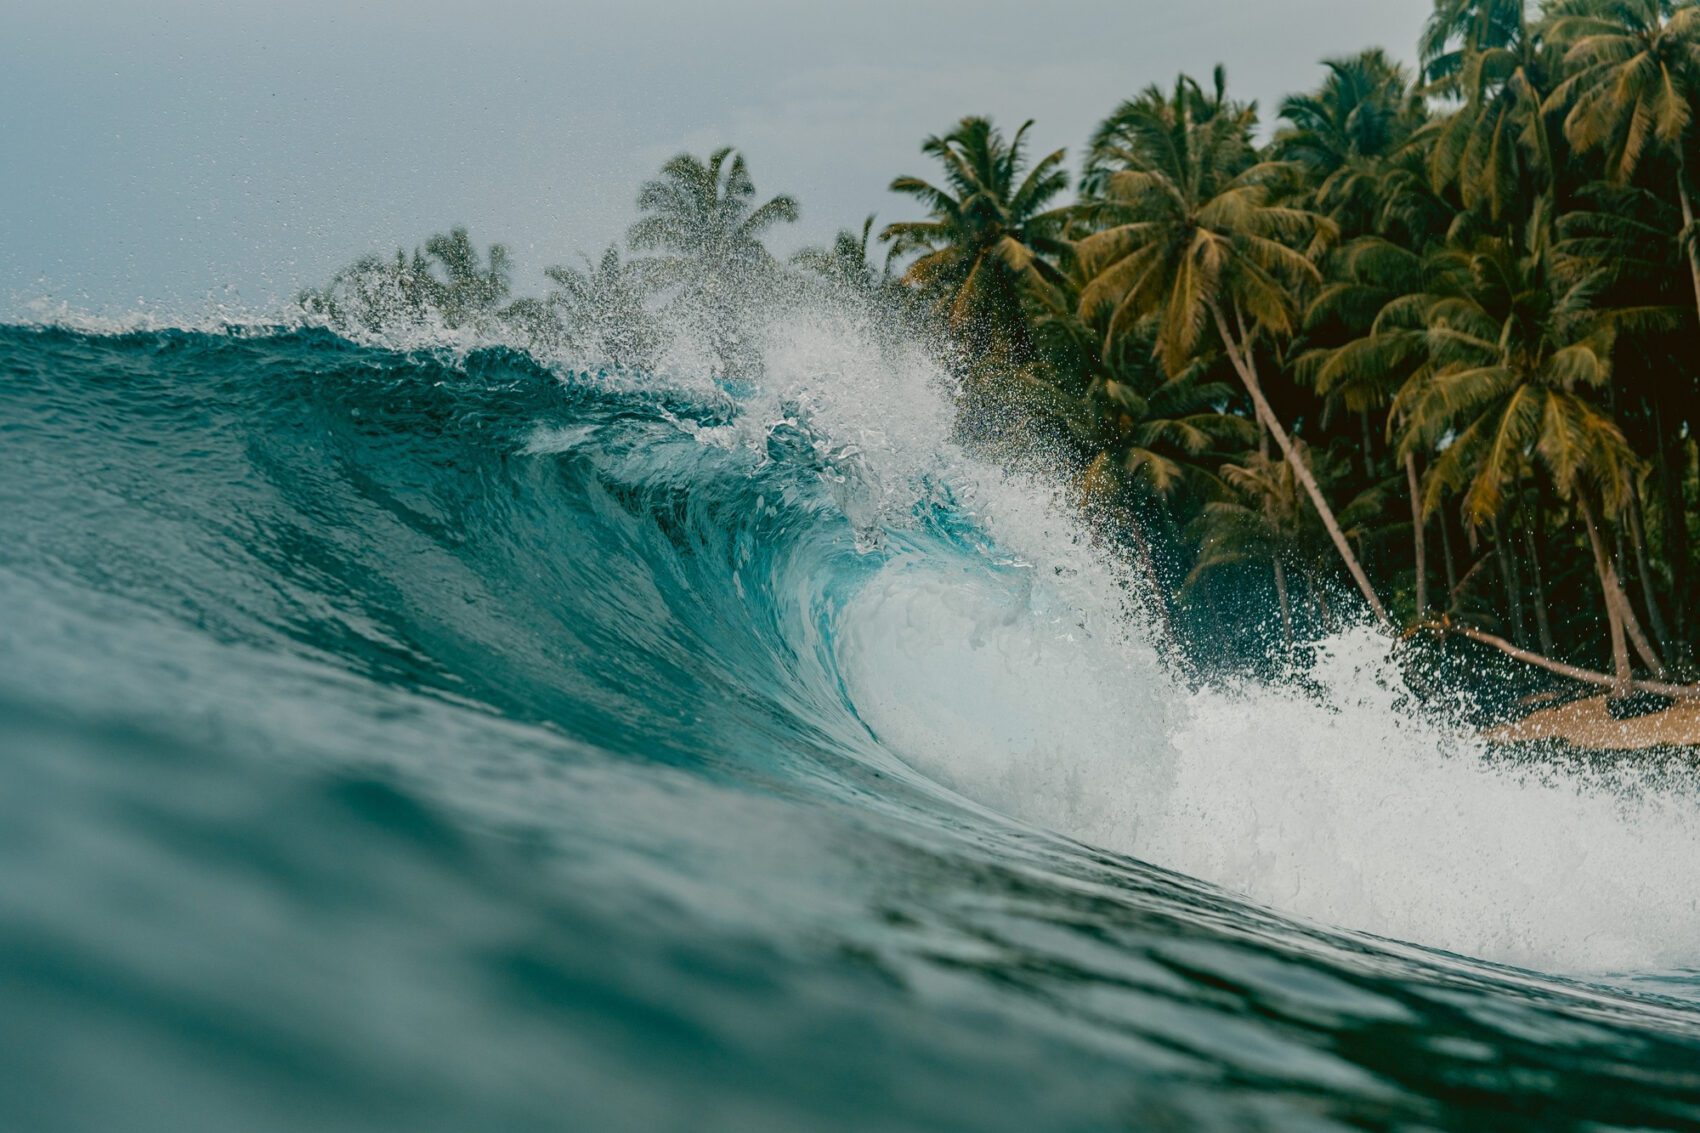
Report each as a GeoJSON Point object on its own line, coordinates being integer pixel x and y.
{"type": "Point", "coordinates": [416, 731]}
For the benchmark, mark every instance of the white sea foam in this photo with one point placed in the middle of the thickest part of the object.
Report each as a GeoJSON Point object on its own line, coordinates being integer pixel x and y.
{"type": "Point", "coordinates": [1028, 683]}
{"type": "Point", "coordinates": [1346, 805]}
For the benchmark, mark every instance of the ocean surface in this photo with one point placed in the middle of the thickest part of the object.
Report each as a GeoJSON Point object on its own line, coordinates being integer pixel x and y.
{"type": "Point", "coordinates": [420, 736]}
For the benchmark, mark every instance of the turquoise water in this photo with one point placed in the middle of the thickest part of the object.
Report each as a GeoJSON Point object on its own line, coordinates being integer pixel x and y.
{"type": "Point", "coordinates": [432, 739]}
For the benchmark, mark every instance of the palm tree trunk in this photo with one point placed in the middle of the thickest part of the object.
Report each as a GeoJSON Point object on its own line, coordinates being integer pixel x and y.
{"type": "Point", "coordinates": [1446, 555]}
{"type": "Point", "coordinates": [1631, 623]}
{"type": "Point", "coordinates": [1532, 543]}
{"type": "Point", "coordinates": [1587, 676]}
{"type": "Point", "coordinates": [1644, 575]}
{"type": "Point", "coordinates": [1286, 604]}
{"type": "Point", "coordinates": [1688, 221]}
{"type": "Point", "coordinates": [1417, 532]}
{"type": "Point", "coordinates": [1240, 355]}
{"type": "Point", "coordinates": [1637, 636]}
{"type": "Point", "coordinates": [1369, 462]}
{"type": "Point", "coordinates": [1675, 510]}
{"type": "Point", "coordinates": [1508, 575]}
{"type": "Point", "coordinates": [1608, 586]}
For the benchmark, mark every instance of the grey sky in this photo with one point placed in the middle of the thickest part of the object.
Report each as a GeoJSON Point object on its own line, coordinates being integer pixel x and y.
{"type": "Point", "coordinates": [182, 152]}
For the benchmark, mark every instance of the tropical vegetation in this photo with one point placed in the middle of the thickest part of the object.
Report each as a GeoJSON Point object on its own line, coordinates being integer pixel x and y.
{"type": "Point", "coordinates": [1425, 345]}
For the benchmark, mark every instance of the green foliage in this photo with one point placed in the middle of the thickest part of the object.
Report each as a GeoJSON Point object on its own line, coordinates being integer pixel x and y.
{"type": "Point", "coordinates": [704, 233]}
{"type": "Point", "coordinates": [1190, 224]}
{"type": "Point", "coordinates": [446, 282]}
{"type": "Point", "coordinates": [988, 233]}
{"type": "Point", "coordinates": [1464, 305]}
{"type": "Point", "coordinates": [1475, 299]}
{"type": "Point", "coordinates": [603, 309]}
{"type": "Point", "coordinates": [701, 223]}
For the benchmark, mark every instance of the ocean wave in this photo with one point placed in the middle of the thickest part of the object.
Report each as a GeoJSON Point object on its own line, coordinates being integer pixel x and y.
{"type": "Point", "coordinates": [750, 716]}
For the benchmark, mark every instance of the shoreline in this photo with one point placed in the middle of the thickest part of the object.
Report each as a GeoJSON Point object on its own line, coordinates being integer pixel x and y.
{"type": "Point", "coordinates": [1587, 724]}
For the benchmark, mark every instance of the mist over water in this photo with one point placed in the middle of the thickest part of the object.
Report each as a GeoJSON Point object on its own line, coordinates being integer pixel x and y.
{"type": "Point", "coordinates": [415, 729]}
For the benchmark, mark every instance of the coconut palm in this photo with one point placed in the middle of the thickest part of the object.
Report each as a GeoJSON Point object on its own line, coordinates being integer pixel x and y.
{"type": "Point", "coordinates": [1494, 150]}
{"type": "Point", "coordinates": [988, 235]}
{"type": "Point", "coordinates": [846, 265]}
{"type": "Point", "coordinates": [1153, 434]}
{"type": "Point", "coordinates": [705, 231]}
{"type": "Point", "coordinates": [1457, 29]}
{"type": "Point", "coordinates": [466, 288]}
{"type": "Point", "coordinates": [700, 218]}
{"type": "Point", "coordinates": [1265, 516]}
{"type": "Point", "coordinates": [1126, 126]}
{"type": "Point", "coordinates": [1514, 356]}
{"type": "Point", "coordinates": [372, 293]}
{"type": "Point", "coordinates": [1368, 296]}
{"type": "Point", "coordinates": [447, 280]}
{"type": "Point", "coordinates": [1343, 135]}
{"type": "Point", "coordinates": [1643, 283]}
{"type": "Point", "coordinates": [1634, 73]}
{"type": "Point", "coordinates": [1193, 239]}
{"type": "Point", "coordinates": [602, 308]}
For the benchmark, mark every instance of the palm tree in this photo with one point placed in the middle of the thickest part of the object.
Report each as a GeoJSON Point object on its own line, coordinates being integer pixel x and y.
{"type": "Point", "coordinates": [1512, 357]}
{"type": "Point", "coordinates": [1457, 29]}
{"type": "Point", "coordinates": [602, 307]}
{"type": "Point", "coordinates": [846, 266]}
{"type": "Point", "coordinates": [1193, 239]}
{"type": "Point", "coordinates": [467, 288]}
{"type": "Point", "coordinates": [1264, 516]}
{"type": "Point", "coordinates": [1142, 431]}
{"type": "Point", "coordinates": [1368, 295]}
{"type": "Point", "coordinates": [1486, 53]}
{"type": "Point", "coordinates": [447, 279]}
{"type": "Point", "coordinates": [1126, 126]}
{"type": "Point", "coordinates": [988, 233]}
{"type": "Point", "coordinates": [701, 221]}
{"type": "Point", "coordinates": [1641, 281]}
{"type": "Point", "coordinates": [1161, 435]}
{"type": "Point", "coordinates": [1635, 71]}
{"type": "Point", "coordinates": [373, 293]}
{"type": "Point", "coordinates": [1344, 134]}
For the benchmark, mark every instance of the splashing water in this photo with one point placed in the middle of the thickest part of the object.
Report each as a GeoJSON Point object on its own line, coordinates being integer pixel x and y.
{"type": "Point", "coordinates": [425, 734]}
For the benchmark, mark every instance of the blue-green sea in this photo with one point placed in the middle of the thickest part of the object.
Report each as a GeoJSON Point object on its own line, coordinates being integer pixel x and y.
{"type": "Point", "coordinates": [427, 737]}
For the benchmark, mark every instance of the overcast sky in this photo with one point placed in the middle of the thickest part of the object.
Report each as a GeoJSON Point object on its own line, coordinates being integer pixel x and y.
{"type": "Point", "coordinates": [183, 152]}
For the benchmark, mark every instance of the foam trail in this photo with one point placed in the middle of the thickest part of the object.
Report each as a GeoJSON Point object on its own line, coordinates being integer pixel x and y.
{"type": "Point", "coordinates": [1360, 812]}
{"type": "Point", "coordinates": [1348, 806]}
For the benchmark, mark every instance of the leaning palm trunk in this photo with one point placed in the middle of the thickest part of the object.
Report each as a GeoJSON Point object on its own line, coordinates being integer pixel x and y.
{"type": "Point", "coordinates": [1576, 673]}
{"type": "Point", "coordinates": [1240, 354]}
{"type": "Point", "coordinates": [1609, 586]}
{"type": "Point", "coordinates": [1417, 533]}
{"type": "Point", "coordinates": [1644, 574]}
{"type": "Point", "coordinates": [1637, 636]}
{"type": "Point", "coordinates": [1689, 236]}
{"type": "Point", "coordinates": [1632, 629]}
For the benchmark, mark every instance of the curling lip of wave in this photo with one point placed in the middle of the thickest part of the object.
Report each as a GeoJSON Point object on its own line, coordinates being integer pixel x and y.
{"type": "Point", "coordinates": [847, 575]}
